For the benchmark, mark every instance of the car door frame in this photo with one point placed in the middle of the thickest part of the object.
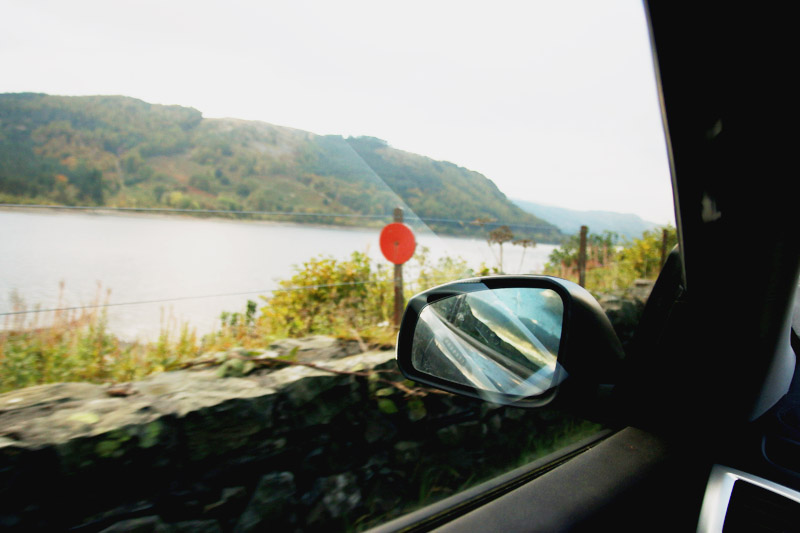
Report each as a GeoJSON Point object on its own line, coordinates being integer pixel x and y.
{"type": "Point", "coordinates": [654, 475]}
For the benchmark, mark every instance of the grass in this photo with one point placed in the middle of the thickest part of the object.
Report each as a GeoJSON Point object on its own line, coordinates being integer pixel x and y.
{"type": "Point", "coordinates": [435, 481]}
{"type": "Point", "coordinates": [76, 345]}
{"type": "Point", "coordinates": [559, 433]}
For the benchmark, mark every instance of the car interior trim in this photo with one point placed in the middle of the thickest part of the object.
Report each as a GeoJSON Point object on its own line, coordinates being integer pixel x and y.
{"type": "Point", "coordinates": [616, 485]}
{"type": "Point", "coordinates": [458, 504]}
{"type": "Point", "coordinates": [718, 495]}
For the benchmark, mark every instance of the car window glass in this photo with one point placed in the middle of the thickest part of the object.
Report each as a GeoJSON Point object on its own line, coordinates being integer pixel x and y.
{"type": "Point", "coordinates": [197, 318]}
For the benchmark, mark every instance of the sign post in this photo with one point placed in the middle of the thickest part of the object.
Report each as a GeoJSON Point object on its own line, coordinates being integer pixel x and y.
{"type": "Point", "coordinates": [582, 257]}
{"type": "Point", "coordinates": [397, 245]}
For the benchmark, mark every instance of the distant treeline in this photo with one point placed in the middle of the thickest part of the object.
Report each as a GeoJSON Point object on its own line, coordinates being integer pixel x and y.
{"type": "Point", "coordinates": [123, 152]}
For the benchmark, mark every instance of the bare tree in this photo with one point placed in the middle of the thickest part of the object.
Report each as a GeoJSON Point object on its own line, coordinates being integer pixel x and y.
{"type": "Point", "coordinates": [500, 236]}
{"type": "Point", "coordinates": [525, 243]}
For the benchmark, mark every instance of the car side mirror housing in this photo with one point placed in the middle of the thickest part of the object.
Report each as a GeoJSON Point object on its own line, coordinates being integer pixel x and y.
{"type": "Point", "coordinates": [521, 340]}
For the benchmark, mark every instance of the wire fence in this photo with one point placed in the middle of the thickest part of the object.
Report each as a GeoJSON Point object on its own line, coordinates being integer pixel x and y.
{"type": "Point", "coordinates": [199, 297]}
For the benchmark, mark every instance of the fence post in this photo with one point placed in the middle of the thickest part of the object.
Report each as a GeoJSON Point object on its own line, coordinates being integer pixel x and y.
{"type": "Point", "coordinates": [582, 258]}
{"type": "Point", "coordinates": [398, 279]}
{"type": "Point", "coordinates": [664, 236]}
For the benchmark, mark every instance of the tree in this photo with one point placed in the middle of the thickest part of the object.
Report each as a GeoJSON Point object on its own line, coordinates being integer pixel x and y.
{"type": "Point", "coordinates": [644, 254]}
{"type": "Point", "coordinates": [158, 192]}
{"type": "Point", "coordinates": [89, 182]}
{"type": "Point", "coordinates": [500, 236]}
{"type": "Point", "coordinates": [525, 243]}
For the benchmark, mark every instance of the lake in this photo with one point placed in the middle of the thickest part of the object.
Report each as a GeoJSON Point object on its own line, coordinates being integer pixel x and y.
{"type": "Point", "coordinates": [165, 270]}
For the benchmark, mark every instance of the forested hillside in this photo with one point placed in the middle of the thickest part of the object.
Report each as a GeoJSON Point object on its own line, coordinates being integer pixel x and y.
{"type": "Point", "coordinates": [123, 152]}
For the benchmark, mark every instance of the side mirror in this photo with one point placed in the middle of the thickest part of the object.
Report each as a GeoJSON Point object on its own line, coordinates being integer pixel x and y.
{"type": "Point", "coordinates": [519, 340]}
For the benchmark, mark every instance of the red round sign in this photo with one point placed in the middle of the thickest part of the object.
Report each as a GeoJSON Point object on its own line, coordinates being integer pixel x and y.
{"type": "Point", "coordinates": [397, 243]}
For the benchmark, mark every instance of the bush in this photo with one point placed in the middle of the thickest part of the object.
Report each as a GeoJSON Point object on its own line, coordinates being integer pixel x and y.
{"type": "Point", "coordinates": [610, 265]}
{"type": "Point", "coordinates": [352, 299]}
{"type": "Point", "coordinates": [329, 297]}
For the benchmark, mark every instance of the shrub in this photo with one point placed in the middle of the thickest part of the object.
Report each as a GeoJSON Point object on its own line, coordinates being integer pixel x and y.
{"type": "Point", "coordinates": [610, 265]}
{"type": "Point", "coordinates": [329, 296]}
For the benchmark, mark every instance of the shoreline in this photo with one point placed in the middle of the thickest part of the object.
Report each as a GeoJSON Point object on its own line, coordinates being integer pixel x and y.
{"type": "Point", "coordinates": [157, 215]}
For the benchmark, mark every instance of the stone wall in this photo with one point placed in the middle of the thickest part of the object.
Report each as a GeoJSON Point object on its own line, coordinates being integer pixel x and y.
{"type": "Point", "coordinates": [241, 443]}
{"type": "Point", "coordinates": [295, 448]}
{"type": "Point", "coordinates": [624, 308]}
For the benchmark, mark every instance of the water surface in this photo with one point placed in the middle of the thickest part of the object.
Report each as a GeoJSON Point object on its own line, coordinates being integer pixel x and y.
{"type": "Point", "coordinates": [145, 258]}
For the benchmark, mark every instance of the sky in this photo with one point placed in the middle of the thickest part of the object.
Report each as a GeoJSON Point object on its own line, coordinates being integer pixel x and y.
{"type": "Point", "coordinates": [555, 101]}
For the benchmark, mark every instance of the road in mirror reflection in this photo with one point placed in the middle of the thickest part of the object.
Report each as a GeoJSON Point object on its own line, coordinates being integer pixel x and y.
{"type": "Point", "coordinates": [501, 341]}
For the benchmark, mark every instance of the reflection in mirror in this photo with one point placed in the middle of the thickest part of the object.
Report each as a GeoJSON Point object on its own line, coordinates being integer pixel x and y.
{"type": "Point", "coordinates": [501, 341]}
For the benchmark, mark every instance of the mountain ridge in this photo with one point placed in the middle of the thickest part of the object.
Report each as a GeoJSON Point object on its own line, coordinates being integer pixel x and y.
{"type": "Point", "coordinates": [125, 152]}
{"type": "Point", "coordinates": [569, 221]}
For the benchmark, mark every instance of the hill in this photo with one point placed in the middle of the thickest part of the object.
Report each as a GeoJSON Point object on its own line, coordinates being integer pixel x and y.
{"type": "Point", "coordinates": [570, 221]}
{"type": "Point", "coordinates": [123, 152]}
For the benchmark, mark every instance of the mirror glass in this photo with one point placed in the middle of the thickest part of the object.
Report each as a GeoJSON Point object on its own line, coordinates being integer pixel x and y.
{"type": "Point", "coordinates": [499, 341]}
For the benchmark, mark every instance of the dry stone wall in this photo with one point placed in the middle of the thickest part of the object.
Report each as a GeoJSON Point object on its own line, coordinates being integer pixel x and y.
{"type": "Point", "coordinates": [236, 444]}
{"type": "Point", "coordinates": [295, 448]}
